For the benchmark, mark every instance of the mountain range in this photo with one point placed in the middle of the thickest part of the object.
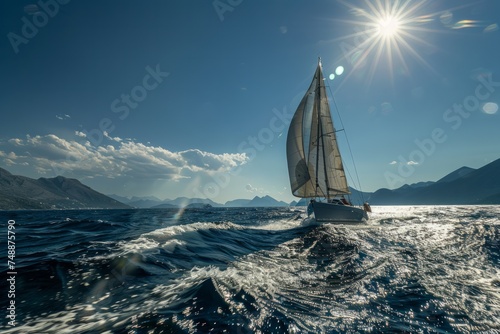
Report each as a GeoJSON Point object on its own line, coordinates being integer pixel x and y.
{"type": "Point", "coordinates": [153, 202]}
{"type": "Point", "coordinates": [462, 186]}
{"type": "Point", "coordinates": [20, 192]}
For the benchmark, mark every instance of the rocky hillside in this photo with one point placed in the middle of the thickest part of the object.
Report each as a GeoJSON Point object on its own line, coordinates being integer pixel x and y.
{"type": "Point", "coordinates": [20, 192]}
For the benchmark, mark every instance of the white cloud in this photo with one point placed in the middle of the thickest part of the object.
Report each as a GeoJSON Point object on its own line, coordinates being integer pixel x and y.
{"type": "Point", "coordinates": [253, 189]}
{"type": "Point", "coordinates": [197, 160]}
{"type": "Point", "coordinates": [411, 162]}
{"type": "Point", "coordinates": [117, 158]}
{"type": "Point", "coordinates": [116, 139]}
{"type": "Point", "coordinates": [250, 188]}
{"type": "Point", "coordinates": [63, 117]}
{"type": "Point", "coordinates": [11, 155]}
{"type": "Point", "coordinates": [15, 141]}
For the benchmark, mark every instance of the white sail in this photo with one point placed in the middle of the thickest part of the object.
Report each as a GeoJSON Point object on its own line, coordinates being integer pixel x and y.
{"type": "Point", "coordinates": [314, 162]}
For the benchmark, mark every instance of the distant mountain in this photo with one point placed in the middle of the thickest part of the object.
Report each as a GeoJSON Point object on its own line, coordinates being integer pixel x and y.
{"type": "Point", "coordinates": [138, 202]}
{"type": "Point", "coordinates": [122, 199]}
{"type": "Point", "coordinates": [146, 198]}
{"type": "Point", "coordinates": [155, 202]}
{"type": "Point", "coordinates": [459, 173]}
{"type": "Point", "coordinates": [265, 201]}
{"type": "Point", "coordinates": [184, 201]}
{"type": "Point", "coordinates": [421, 184]}
{"type": "Point", "coordinates": [463, 186]}
{"type": "Point", "coordinates": [144, 203]}
{"type": "Point", "coordinates": [301, 202]}
{"type": "Point", "coordinates": [20, 192]}
{"type": "Point", "coordinates": [237, 203]}
{"type": "Point", "coordinates": [165, 206]}
{"type": "Point", "coordinates": [194, 205]}
{"type": "Point", "coordinates": [199, 206]}
{"type": "Point", "coordinates": [181, 202]}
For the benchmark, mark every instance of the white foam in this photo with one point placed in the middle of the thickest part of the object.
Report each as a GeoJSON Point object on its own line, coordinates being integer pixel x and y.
{"type": "Point", "coordinates": [442, 255]}
{"type": "Point", "coordinates": [167, 238]}
{"type": "Point", "coordinates": [281, 224]}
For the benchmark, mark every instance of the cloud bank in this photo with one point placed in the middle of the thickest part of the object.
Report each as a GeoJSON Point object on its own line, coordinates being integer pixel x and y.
{"type": "Point", "coordinates": [50, 155]}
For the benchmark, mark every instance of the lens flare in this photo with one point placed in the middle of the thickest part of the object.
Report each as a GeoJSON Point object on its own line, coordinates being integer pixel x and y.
{"type": "Point", "coordinates": [490, 108]}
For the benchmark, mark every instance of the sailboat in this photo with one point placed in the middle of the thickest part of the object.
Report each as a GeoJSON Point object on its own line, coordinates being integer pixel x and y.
{"type": "Point", "coordinates": [315, 165]}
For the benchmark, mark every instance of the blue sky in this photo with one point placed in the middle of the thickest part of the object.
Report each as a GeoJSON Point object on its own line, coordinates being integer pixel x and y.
{"type": "Point", "coordinates": [193, 98]}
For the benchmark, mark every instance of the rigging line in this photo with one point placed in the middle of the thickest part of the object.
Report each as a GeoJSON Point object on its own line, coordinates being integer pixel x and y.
{"type": "Point", "coordinates": [317, 109]}
{"type": "Point", "coordinates": [327, 181]}
{"type": "Point", "coordinates": [348, 144]}
{"type": "Point", "coordinates": [317, 152]}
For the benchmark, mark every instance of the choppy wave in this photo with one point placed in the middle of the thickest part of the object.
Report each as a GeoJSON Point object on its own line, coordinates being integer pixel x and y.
{"type": "Point", "coordinates": [409, 269]}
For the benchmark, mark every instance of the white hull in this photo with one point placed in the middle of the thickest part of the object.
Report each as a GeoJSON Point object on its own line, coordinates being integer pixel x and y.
{"type": "Point", "coordinates": [332, 212]}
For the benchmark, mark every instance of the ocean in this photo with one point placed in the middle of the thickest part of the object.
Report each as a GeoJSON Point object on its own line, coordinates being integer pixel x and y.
{"type": "Point", "coordinates": [410, 269]}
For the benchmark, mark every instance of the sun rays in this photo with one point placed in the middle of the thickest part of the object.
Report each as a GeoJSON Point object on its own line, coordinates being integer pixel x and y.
{"type": "Point", "coordinates": [385, 35]}
{"type": "Point", "coordinates": [393, 36]}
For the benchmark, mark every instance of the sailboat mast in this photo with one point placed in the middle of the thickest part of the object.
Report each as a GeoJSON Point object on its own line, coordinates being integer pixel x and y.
{"type": "Point", "coordinates": [320, 135]}
{"type": "Point", "coordinates": [318, 109]}
{"type": "Point", "coordinates": [317, 158]}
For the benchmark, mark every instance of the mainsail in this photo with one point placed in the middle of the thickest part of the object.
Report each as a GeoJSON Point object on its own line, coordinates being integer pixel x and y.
{"type": "Point", "coordinates": [314, 163]}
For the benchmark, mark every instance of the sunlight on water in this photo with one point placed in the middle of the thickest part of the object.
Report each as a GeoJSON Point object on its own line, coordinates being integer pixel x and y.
{"type": "Point", "coordinates": [417, 268]}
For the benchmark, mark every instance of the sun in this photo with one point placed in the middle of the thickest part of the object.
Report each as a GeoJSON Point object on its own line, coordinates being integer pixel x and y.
{"type": "Point", "coordinates": [386, 35]}
{"type": "Point", "coordinates": [388, 27]}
